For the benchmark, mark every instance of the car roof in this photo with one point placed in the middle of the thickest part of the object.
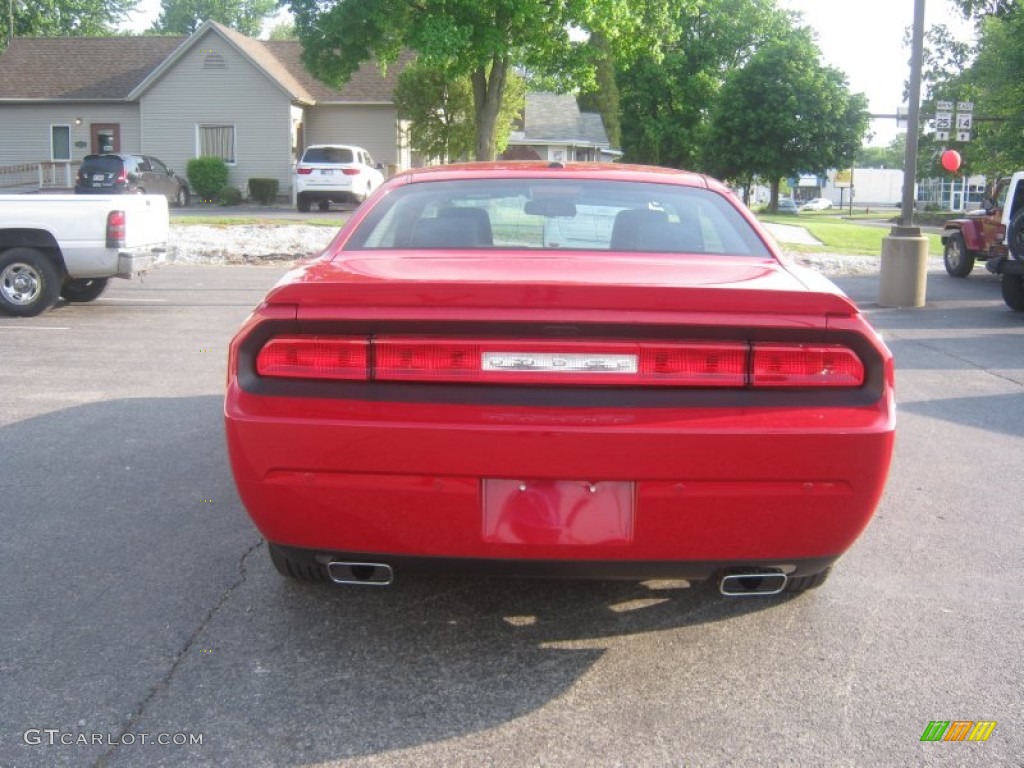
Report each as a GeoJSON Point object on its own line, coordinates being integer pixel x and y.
{"type": "Point", "coordinates": [333, 146]}
{"type": "Point", "coordinates": [574, 171]}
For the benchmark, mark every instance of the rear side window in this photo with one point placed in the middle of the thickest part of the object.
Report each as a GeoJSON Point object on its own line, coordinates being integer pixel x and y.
{"type": "Point", "coordinates": [328, 155]}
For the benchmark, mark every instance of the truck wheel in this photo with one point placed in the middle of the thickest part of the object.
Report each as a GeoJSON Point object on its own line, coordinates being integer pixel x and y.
{"type": "Point", "coordinates": [1013, 292]}
{"type": "Point", "coordinates": [86, 289]}
{"type": "Point", "coordinates": [302, 203]}
{"type": "Point", "coordinates": [959, 262]}
{"type": "Point", "coordinates": [1015, 236]}
{"type": "Point", "coordinates": [324, 205]}
{"type": "Point", "coordinates": [29, 282]}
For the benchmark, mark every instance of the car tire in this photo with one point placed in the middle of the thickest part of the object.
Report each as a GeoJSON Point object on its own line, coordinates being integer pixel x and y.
{"type": "Point", "coordinates": [302, 203]}
{"type": "Point", "coordinates": [29, 282]}
{"type": "Point", "coordinates": [181, 199]}
{"type": "Point", "coordinates": [1013, 292]}
{"type": "Point", "coordinates": [798, 584]}
{"type": "Point", "coordinates": [324, 205]}
{"type": "Point", "coordinates": [959, 262]}
{"type": "Point", "coordinates": [1015, 235]}
{"type": "Point", "coordinates": [83, 290]}
{"type": "Point", "coordinates": [295, 569]}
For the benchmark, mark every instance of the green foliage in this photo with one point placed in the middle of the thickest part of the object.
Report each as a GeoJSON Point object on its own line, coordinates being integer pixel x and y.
{"type": "Point", "coordinates": [892, 156]}
{"type": "Point", "coordinates": [603, 98]}
{"type": "Point", "coordinates": [58, 18]}
{"type": "Point", "coordinates": [228, 196]}
{"type": "Point", "coordinates": [479, 39]}
{"type": "Point", "coordinates": [784, 114]}
{"type": "Point", "coordinates": [207, 176]}
{"type": "Point", "coordinates": [666, 102]}
{"type": "Point", "coordinates": [263, 191]}
{"type": "Point", "coordinates": [183, 17]}
{"type": "Point", "coordinates": [283, 31]}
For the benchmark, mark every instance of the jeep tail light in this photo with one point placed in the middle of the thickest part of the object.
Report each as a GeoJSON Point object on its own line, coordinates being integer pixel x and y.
{"type": "Point", "coordinates": [116, 225]}
{"type": "Point", "coordinates": [303, 170]}
{"type": "Point", "coordinates": [350, 171]}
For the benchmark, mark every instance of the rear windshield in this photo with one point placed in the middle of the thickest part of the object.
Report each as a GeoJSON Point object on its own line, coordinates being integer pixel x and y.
{"type": "Point", "coordinates": [550, 214]}
{"type": "Point", "coordinates": [102, 164]}
{"type": "Point", "coordinates": [327, 155]}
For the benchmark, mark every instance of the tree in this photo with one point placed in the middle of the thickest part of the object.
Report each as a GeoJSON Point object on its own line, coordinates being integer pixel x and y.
{"type": "Point", "coordinates": [998, 74]}
{"type": "Point", "coordinates": [603, 98]}
{"type": "Point", "coordinates": [666, 103]}
{"type": "Point", "coordinates": [892, 156]}
{"type": "Point", "coordinates": [283, 31]}
{"type": "Point", "coordinates": [441, 115]}
{"type": "Point", "coordinates": [183, 17]}
{"type": "Point", "coordinates": [479, 39]}
{"type": "Point", "coordinates": [59, 18]}
{"type": "Point", "coordinates": [784, 114]}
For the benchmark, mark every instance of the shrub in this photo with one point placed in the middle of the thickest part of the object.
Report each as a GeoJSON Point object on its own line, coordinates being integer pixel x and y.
{"type": "Point", "coordinates": [229, 195]}
{"type": "Point", "coordinates": [207, 176]}
{"type": "Point", "coordinates": [263, 190]}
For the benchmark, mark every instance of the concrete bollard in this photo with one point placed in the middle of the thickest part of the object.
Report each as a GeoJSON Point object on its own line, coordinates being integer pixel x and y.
{"type": "Point", "coordinates": [904, 274]}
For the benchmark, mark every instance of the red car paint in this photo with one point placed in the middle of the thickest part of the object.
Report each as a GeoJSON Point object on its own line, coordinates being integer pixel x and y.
{"type": "Point", "coordinates": [577, 479]}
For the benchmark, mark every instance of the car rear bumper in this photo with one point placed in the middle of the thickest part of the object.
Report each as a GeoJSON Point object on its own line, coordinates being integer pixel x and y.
{"type": "Point", "coordinates": [131, 263]}
{"type": "Point", "coordinates": [619, 487]}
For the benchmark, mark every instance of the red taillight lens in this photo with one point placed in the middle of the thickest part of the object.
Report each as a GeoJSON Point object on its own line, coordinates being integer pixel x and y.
{"type": "Point", "coordinates": [566, 363]}
{"type": "Point", "coordinates": [800, 365]}
{"type": "Point", "coordinates": [529, 361]}
{"type": "Point", "coordinates": [303, 171]}
{"type": "Point", "coordinates": [350, 171]}
{"type": "Point", "coordinates": [116, 226]}
{"type": "Point", "coordinates": [312, 357]}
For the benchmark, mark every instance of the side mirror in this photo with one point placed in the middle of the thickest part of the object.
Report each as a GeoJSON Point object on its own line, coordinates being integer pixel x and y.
{"type": "Point", "coordinates": [379, 166]}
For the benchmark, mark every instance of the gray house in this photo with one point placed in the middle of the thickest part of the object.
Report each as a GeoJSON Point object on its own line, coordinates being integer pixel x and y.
{"type": "Point", "coordinates": [216, 92]}
{"type": "Point", "coordinates": [552, 128]}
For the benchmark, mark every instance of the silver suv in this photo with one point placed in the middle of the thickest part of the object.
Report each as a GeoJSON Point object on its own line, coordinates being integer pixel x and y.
{"type": "Point", "coordinates": [335, 173]}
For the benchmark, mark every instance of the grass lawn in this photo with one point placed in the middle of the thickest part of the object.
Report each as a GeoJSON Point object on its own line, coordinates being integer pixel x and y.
{"type": "Point", "coordinates": [843, 236]}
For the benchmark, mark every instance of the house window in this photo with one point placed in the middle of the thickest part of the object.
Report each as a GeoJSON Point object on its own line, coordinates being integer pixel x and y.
{"type": "Point", "coordinates": [60, 142]}
{"type": "Point", "coordinates": [217, 141]}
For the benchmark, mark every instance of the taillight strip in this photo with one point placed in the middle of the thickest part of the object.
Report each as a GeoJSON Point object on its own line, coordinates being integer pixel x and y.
{"type": "Point", "coordinates": [649, 363]}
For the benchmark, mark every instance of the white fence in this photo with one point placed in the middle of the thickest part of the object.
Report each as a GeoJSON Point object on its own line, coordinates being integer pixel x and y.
{"type": "Point", "coordinates": [36, 177]}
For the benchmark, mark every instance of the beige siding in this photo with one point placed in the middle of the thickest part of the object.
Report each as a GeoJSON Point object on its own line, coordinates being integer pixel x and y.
{"type": "Point", "coordinates": [25, 129]}
{"type": "Point", "coordinates": [374, 128]}
{"type": "Point", "coordinates": [236, 94]}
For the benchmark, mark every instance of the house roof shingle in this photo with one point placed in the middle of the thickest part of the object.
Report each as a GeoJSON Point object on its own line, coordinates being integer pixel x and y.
{"type": "Point", "coordinates": [112, 68]}
{"type": "Point", "coordinates": [80, 68]}
{"type": "Point", "coordinates": [556, 117]}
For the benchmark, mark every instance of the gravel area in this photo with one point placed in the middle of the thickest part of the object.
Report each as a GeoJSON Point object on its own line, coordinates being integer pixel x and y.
{"type": "Point", "coordinates": [266, 244]}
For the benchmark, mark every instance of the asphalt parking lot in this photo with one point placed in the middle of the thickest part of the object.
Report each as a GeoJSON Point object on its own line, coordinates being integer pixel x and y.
{"type": "Point", "coordinates": [139, 605]}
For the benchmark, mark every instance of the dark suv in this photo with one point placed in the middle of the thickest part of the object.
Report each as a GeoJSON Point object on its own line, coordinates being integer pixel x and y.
{"type": "Point", "coordinates": [121, 174]}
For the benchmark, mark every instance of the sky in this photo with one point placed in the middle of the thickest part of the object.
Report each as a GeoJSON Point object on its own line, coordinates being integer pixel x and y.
{"type": "Point", "coordinates": [861, 38]}
{"type": "Point", "coordinates": [864, 40]}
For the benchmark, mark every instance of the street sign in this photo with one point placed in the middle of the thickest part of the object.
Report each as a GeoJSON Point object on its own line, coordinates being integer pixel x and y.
{"type": "Point", "coordinates": [965, 106]}
{"type": "Point", "coordinates": [942, 135]}
{"type": "Point", "coordinates": [943, 106]}
{"type": "Point", "coordinates": [963, 135]}
{"type": "Point", "coordinates": [943, 121]}
{"type": "Point", "coordinates": [963, 121]}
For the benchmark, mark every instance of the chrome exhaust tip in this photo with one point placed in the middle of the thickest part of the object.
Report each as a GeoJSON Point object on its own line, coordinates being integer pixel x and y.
{"type": "Point", "coordinates": [370, 574]}
{"type": "Point", "coordinates": [757, 584]}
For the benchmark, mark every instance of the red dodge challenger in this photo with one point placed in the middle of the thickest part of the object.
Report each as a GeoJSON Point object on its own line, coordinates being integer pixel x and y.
{"type": "Point", "coordinates": [595, 371]}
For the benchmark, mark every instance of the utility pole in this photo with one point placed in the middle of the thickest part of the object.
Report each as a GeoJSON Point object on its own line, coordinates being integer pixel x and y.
{"type": "Point", "coordinates": [904, 275]}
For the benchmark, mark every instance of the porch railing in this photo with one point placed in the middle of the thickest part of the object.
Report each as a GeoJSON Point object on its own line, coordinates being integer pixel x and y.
{"type": "Point", "coordinates": [36, 177]}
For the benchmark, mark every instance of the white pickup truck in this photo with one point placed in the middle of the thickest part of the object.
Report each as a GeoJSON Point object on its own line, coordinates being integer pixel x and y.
{"type": "Point", "coordinates": [68, 246]}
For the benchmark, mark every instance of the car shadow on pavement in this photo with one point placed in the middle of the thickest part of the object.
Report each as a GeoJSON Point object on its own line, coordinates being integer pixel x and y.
{"type": "Point", "coordinates": [140, 599]}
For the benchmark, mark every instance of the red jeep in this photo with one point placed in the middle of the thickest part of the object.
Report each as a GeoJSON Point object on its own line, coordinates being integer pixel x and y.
{"type": "Point", "coordinates": [971, 239]}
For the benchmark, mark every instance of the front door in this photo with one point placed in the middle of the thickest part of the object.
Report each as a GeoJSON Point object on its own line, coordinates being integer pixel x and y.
{"type": "Point", "coordinates": [106, 137]}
